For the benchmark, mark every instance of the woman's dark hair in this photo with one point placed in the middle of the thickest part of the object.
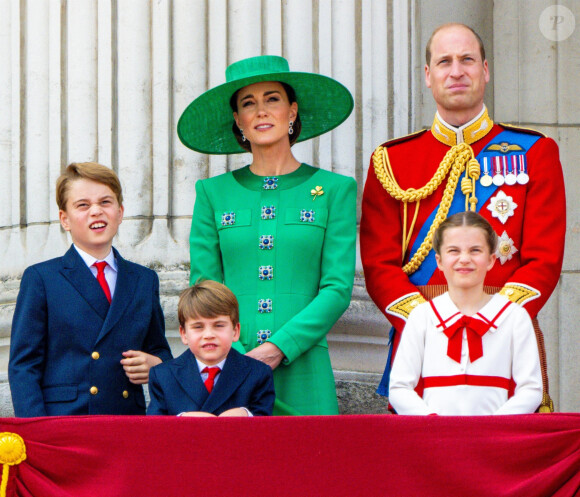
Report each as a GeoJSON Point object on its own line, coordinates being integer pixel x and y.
{"type": "Point", "coordinates": [291, 94]}
{"type": "Point", "coordinates": [468, 218]}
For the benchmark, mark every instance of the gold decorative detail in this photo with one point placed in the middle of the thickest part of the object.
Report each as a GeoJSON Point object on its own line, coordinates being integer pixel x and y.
{"type": "Point", "coordinates": [472, 173]}
{"type": "Point", "coordinates": [403, 307]}
{"type": "Point", "coordinates": [503, 147]}
{"type": "Point", "coordinates": [12, 448]}
{"type": "Point", "coordinates": [451, 136]}
{"type": "Point", "coordinates": [12, 452]}
{"type": "Point", "coordinates": [125, 394]}
{"type": "Point", "coordinates": [443, 133]}
{"type": "Point", "coordinates": [519, 293]}
{"type": "Point", "coordinates": [316, 192]}
{"type": "Point", "coordinates": [453, 163]}
{"type": "Point", "coordinates": [477, 130]}
{"type": "Point", "coordinates": [547, 405]}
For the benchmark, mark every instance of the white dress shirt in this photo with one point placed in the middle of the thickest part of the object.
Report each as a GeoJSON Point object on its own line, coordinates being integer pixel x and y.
{"type": "Point", "coordinates": [110, 269]}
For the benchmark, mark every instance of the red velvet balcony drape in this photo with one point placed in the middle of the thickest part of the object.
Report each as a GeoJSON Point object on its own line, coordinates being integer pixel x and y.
{"type": "Point", "coordinates": [533, 455]}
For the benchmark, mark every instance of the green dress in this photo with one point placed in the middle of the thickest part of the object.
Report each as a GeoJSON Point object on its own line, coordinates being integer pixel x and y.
{"type": "Point", "coordinates": [289, 257]}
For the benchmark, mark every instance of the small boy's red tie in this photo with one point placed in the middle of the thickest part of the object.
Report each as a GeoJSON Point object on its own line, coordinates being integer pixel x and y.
{"type": "Point", "coordinates": [102, 280]}
{"type": "Point", "coordinates": [211, 374]}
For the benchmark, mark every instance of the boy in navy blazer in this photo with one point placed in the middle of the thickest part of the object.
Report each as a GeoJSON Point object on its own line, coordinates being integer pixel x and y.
{"type": "Point", "coordinates": [87, 326]}
{"type": "Point", "coordinates": [211, 378]}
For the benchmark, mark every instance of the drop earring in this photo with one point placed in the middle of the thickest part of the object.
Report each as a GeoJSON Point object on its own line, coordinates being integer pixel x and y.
{"type": "Point", "coordinates": [290, 128]}
{"type": "Point", "coordinates": [243, 136]}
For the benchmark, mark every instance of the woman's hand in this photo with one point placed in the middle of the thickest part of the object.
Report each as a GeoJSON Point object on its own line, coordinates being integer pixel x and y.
{"type": "Point", "coordinates": [268, 353]}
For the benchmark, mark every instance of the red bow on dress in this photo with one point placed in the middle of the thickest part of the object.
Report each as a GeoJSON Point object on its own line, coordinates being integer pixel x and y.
{"type": "Point", "coordinates": [475, 330]}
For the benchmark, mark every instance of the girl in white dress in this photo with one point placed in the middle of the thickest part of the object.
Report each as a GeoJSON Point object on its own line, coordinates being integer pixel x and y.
{"type": "Point", "coordinates": [465, 347]}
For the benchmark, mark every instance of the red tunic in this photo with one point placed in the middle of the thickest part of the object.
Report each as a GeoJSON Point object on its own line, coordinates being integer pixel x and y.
{"type": "Point", "coordinates": [536, 227]}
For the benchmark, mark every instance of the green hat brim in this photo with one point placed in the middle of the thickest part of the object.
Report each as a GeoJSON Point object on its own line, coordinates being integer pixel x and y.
{"type": "Point", "coordinates": [206, 123]}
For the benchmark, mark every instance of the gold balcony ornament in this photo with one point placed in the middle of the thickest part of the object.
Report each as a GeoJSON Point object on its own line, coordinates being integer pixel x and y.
{"type": "Point", "coordinates": [316, 192]}
{"type": "Point", "coordinates": [12, 452]}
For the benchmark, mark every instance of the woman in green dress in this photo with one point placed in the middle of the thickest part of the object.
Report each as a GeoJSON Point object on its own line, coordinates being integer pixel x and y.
{"type": "Point", "coordinates": [280, 234]}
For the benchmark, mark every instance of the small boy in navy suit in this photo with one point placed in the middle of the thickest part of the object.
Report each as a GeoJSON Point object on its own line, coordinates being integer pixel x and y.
{"type": "Point", "coordinates": [87, 326]}
{"type": "Point", "coordinates": [211, 378]}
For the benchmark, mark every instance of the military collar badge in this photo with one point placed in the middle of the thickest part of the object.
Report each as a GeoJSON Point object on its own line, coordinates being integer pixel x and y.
{"type": "Point", "coordinates": [469, 133]}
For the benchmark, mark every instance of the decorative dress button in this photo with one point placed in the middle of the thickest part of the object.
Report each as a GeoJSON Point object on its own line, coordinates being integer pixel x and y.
{"type": "Point", "coordinates": [266, 242]}
{"type": "Point", "coordinates": [125, 394]}
{"type": "Point", "coordinates": [263, 335]}
{"type": "Point", "coordinates": [307, 216]}
{"type": "Point", "coordinates": [270, 183]}
{"type": "Point", "coordinates": [94, 390]}
{"type": "Point", "coordinates": [264, 305]}
{"type": "Point", "coordinates": [228, 218]}
{"type": "Point", "coordinates": [265, 272]}
{"type": "Point", "coordinates": [268, 212]}
{"type": "Point", "coordinates": [95, 355]}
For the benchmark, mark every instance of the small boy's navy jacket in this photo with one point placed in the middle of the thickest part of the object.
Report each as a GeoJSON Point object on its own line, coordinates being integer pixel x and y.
{"type": "Point", "coordinates": [67, 341]}
{"type": "Point", "coordinates": [176, 386]}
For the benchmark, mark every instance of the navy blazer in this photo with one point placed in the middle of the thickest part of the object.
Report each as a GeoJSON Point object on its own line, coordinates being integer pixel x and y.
{"type": "Point", "coordinates": [176, 386]}
{"type": "Point", "coordinates": [66, 343]}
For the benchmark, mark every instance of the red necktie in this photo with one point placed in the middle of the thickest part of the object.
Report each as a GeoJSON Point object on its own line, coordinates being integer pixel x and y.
{"type": "Point", "coordinates": [102, 280]}
{"type": "Point", "coordinates": [475, 330]}
{"type": "Point", "coordinates": [211, 374]}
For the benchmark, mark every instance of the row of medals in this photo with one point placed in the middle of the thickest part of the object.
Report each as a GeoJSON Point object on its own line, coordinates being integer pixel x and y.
{"type": "Point", "coordinates": [510, 170]}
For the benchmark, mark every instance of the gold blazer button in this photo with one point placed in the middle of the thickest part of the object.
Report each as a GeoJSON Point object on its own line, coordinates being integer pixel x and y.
{"type": "Point", "coordinates": [94, 390]}
{"type": "Point", "coordinates": [125, 394]}
{"type": "Point", "coordinates": [95, 355]}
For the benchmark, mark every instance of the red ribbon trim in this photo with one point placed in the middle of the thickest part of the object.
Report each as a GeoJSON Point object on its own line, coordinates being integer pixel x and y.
{"type": "Point", "coordinates": [466, 379]}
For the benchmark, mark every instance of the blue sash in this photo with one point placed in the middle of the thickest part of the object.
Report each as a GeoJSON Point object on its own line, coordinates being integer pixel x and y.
{"type": "Point", "coordinates": [429, 265]}
{"type": "Point", "coordinates": [525, 141]}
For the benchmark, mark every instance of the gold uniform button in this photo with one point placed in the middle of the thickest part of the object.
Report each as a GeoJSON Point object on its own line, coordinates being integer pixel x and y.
{"type": "Point", "coordinates": [94, 390]}
{"type": "Point", "coordinates": [95, 355]}
{"type": "Point", "coordinates": [125, 394]}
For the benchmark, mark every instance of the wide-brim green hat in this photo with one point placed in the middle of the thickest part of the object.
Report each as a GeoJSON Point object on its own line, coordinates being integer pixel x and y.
{"type": "Point", "coordinates": [206, 124]}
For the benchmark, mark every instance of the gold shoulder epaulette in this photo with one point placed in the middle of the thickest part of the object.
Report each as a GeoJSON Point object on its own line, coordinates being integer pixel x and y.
{"type": "Point", "coordinates": [530, 131]}
{"type": "Point", "coordinates": [405, 138]}
{"type": "Point", "coordinates": [403, 306]}
{"type": "Point", "coordinates": [519, 293]}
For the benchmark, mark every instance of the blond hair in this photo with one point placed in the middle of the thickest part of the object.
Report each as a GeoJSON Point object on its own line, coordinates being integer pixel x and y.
{"type": "Point", "coordinates": [86, 170]}
{"type": "Point", "coordinates": [207, 299]}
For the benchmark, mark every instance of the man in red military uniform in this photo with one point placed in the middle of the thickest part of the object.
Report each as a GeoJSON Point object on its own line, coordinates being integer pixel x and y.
{"type": "Point", "coordinates": [511, 176]}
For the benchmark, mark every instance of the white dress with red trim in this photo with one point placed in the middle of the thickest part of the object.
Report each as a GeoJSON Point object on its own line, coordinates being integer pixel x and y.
{"type": "Point", "coordinates": [466, 363]}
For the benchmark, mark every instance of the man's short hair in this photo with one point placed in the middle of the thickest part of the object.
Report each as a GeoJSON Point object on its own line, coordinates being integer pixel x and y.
{"type": "Point", "coordinates": [86, 170]}
{"type": "Point", "coordinates": [448, 25]}
{"type": "Point", "coordinates": [207, 299]}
